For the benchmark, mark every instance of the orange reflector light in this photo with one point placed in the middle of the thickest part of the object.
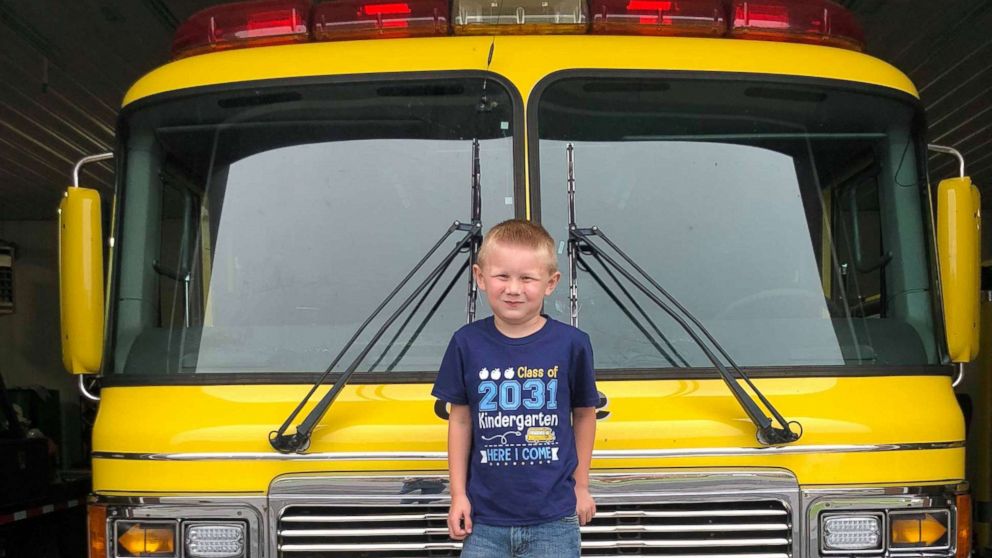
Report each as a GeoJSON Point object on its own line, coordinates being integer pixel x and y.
{"type": "Point", "coordinates": [146, 539]}
{"type": "Point", "coordinates": [378, 19]}
{"type": "Point", "coordinates": [243, 24]}
{"type": "Point", "coordinates": [919, 529]}
{"type": "Point", "coordinates": [96, 520]}
{"type": "Point", "coordinates": [686, 18]}
{"type": "Point", "coordinates": [819, 22]}
{"type": "Point", "coordinates": [509, 17]}
{"type": "Point", "coordinates": [963, 502]}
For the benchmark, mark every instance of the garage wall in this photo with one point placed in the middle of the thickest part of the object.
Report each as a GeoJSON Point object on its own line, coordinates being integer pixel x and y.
{"type": "Point", "coordinates": [30, 354]}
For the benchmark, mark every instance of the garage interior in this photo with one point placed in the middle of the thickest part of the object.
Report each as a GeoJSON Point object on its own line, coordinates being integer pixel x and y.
{"type": "Point", "coordinates": [65, 66]}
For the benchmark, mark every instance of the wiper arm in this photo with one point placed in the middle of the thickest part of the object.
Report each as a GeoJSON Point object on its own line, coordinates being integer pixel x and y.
{"type": "Point", "coordinates": [580, 240]}
{"type": "Point", "coordinates": [584, 266]}
{"type": "Point", "coordinates": [299, 441]}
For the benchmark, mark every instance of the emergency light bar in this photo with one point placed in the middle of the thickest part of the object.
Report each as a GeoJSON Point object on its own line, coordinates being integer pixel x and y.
{"type": "Point", "coordinates": [270, 22]}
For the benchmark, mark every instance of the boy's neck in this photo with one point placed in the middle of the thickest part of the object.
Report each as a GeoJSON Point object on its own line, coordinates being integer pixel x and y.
{"type": "Point", "coordinates": [522, 329]}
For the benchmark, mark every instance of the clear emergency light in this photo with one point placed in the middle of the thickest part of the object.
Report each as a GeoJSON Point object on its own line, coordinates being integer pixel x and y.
{"type": "Point", "coordinates": [686, 18]}
{"type": "Point", "coordinates": [271, 22]}
{"type": "Point", "coordinates": [363, 19]}
{"type": "Point", "coordinates": [518, 17]}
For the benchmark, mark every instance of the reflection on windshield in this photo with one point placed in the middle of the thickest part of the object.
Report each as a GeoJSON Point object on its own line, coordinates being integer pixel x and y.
{"type": "Point", "coordinates": [747, 219]}
{"type": "Point", "coordinates": [293, 237]}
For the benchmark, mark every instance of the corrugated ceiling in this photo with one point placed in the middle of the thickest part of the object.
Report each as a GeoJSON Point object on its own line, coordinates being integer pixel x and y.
{"type": "Point", "coordinates": [64, 67]}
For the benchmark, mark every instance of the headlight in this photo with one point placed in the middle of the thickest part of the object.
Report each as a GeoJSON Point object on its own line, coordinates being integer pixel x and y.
{"type": "Point", "coordinates": [847, 532]}
{"type": "Point", "coordinates": [215, 540]}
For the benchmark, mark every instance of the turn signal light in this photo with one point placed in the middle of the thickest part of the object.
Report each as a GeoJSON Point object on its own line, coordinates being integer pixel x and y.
{"type": "Point", "coordinates": [379, 19]}
{"type": "Point", "coordinates": [963, 504]}
{"type": "Point", "coordinates": [820, 22]}
{"type": "Point", "coordinates": [146, 539]}
{"type": "Point", "coordinates": [919, 529]}
{"type": "Point", "coordinates": [96, 519]}
{"type": "Point", "coordinates": [686, 18]}
{"type": "Point", "coordinates": [243, 24]}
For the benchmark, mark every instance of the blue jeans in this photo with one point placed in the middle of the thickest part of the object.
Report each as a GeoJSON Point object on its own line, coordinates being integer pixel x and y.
{"type": "Point", "coordinates": [554, 539]}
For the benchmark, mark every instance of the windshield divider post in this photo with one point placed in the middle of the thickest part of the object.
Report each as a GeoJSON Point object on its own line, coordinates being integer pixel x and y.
{"type": "Point", "coordinates": [427, 318]}
{"type": "Point", "coordinates": [767, 433]}
{"type": "Point", "coordinates": [573, 287]}
{"type": "Point", "coordinates": [476, 211]}
{"type": "Point", "coordinates": [281, 432]}
{"type": "Point", "coordinates": [300, 440]}
{"type": "Point", "coordinates": [584, 266]}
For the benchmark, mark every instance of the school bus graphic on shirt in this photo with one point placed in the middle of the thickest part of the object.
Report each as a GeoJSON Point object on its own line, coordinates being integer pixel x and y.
{"type": "Point", "coordinates": [539, 434]}
{"type": "Point", "coordinates": [518, 415]}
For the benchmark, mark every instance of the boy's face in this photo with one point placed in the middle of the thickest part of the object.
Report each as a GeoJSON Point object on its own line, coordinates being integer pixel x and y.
{"type": "Point", "coordinates": [515, 279]}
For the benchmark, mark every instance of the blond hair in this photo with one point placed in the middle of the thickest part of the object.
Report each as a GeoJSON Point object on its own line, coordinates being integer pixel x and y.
{"type": "Point", "coordinates": [517, 232]}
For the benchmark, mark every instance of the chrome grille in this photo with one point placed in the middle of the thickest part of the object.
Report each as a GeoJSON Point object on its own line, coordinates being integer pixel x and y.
{"type": "Point", "coordinates": [755, 529]}
{"type": "Point", "coordinates": [682, 513]}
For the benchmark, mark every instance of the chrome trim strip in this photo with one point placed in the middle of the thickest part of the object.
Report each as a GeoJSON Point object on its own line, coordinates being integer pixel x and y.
{"type": "Point", "coordinates": [623, 514]}
{"type": "Point", "coordinates": [599, 454]}
{"type": "Point", "coordinates": [670, 543]}
{"type": "Point", "coordinates": [418, 531]}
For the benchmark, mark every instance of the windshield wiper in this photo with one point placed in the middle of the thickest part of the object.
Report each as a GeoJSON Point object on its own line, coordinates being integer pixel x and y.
{"type": "Point", "coordinates": [580, 241]}
{"type": "Point", "coordinates": [299, 441]}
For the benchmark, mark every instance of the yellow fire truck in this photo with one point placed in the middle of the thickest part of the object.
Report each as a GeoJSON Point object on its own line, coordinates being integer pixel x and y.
{"type": "Point", "coordinates": [778, 300]}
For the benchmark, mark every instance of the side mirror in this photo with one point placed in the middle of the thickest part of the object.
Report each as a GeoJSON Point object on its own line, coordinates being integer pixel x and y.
{"type": "Point", "coordinates": [959, 256]}
{"type": "Point", "coordinates": [81, 280]}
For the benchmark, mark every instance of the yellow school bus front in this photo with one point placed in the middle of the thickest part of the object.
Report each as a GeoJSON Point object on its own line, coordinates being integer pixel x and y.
{"type": "Point", "coordinates": [181, 441]}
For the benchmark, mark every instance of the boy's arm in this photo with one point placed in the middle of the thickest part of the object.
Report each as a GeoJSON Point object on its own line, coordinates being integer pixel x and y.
{"type": "Point", "coordinates": [584, 424]}
{"type": "Point", "coordinates": [459, 444]}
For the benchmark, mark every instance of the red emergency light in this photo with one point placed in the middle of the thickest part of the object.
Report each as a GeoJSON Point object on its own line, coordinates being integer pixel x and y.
{"type": "Point", "coordinates": [819, 22]}
{"type": "Point", "coordinates": [254, 23]}
{"type": "Point", "coordinates": [686, 18]}
{"type": "Point", "coordinates": [379, 19]}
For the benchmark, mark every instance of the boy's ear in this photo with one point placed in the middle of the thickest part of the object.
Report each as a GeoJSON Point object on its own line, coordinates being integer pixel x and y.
{"type": "Point", "coordinates": [552, 283]}
{"type": "Point", "coordinates": [477, 272]}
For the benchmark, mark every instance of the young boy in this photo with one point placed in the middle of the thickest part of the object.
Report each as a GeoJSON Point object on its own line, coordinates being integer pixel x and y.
{"type": "Point", "coordinates": [523, 417]}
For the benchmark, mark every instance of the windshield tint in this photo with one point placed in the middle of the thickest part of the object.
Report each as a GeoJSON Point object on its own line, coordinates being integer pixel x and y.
{"type": "Point", "coordinates": [789, 218]}
{"type": "Point", "coordinates": [261, 226]}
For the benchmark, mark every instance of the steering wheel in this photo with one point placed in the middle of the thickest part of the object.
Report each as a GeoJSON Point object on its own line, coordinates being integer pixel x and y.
{"type": "Point", "coordinates": [793, 303]}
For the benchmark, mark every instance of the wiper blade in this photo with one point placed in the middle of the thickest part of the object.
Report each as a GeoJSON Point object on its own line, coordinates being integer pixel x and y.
{"type": "Point", "coordinates": [299, 441]}
{"type": "Point", "coordinates": [581, 240]}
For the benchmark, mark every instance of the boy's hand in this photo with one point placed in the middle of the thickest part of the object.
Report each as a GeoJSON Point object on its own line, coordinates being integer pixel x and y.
{"type": "Point", "coordinates": [461, 510]}
{"type": "Point", "coordinates": [585, 506]}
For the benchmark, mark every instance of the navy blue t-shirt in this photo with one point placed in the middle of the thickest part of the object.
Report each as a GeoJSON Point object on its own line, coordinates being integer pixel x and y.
{"type": "Point", "coordinates": [521, 392]}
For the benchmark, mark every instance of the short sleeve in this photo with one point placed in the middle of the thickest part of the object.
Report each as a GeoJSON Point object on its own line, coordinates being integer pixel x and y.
{"type": "Point", "coordinates": [450, 383]}
{"type": "Point", "coordinates": [583, 386]}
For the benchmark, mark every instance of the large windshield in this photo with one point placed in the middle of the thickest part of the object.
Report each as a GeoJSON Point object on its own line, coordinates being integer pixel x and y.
{"type": "Point", "coordinates": [261, 226]}
{"type": "Point", "coordinates": [789, 218]}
